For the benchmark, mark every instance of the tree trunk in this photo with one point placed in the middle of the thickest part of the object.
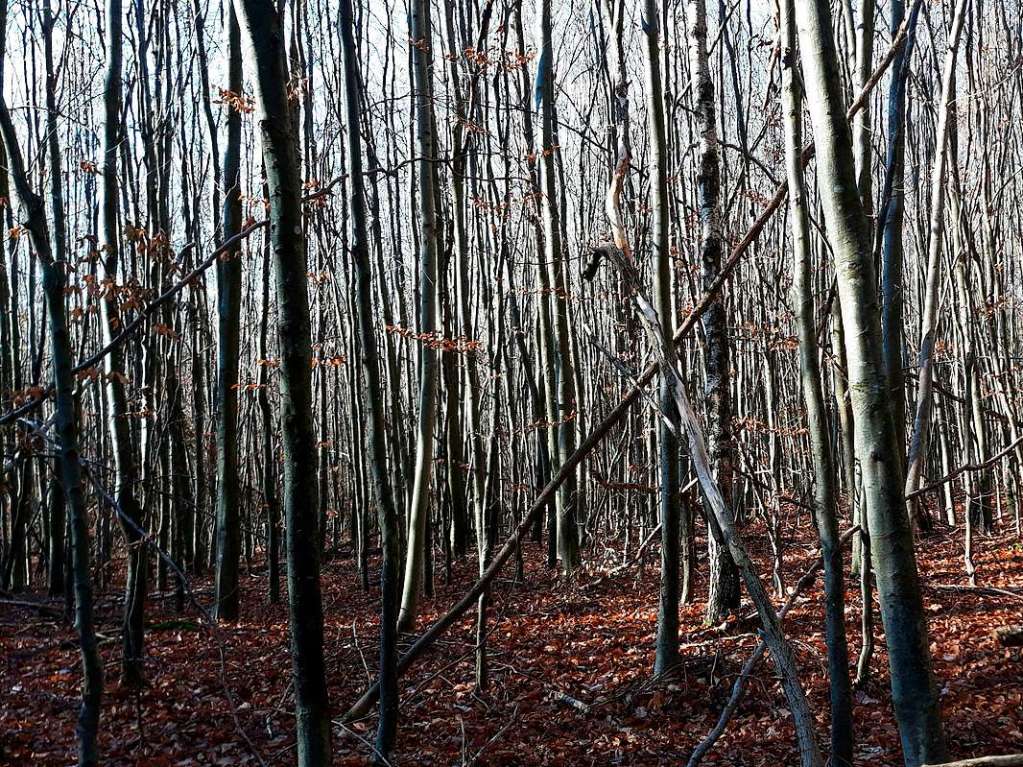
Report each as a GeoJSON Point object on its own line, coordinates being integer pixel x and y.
{"type": "Point", "coordinates": [825, 511]}
{"type": "Point", "coordinates": [126, 477]}
{"type": "Point", "coordinates": [373, 395]}
{"type": "Point", "coordinates": [667, 656]}
{"type": "Point", "coordinates": [563, 413]}
{"type": "Point", "coordinates": [66, 423]}
{"type": "Point", "coordinates": [229, 290]}
{"type": "Point", "coordinates": [263, 40]}
{"type": "Point", "coordinates": [936, 238]}
{"type": "Point", "coordinates": [724, 578]}
{"type": "Point", "coordinates": [422, 57]}
{"type": "Point", "coordinates": [913, 692]}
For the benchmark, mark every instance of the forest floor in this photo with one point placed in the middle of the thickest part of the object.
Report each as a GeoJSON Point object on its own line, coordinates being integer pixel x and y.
{"type": "Point", "coordinates": [592, 640]}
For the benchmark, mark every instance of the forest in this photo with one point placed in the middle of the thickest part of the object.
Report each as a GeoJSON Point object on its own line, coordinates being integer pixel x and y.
{"type": "Point", "coordinates": [511, 382]}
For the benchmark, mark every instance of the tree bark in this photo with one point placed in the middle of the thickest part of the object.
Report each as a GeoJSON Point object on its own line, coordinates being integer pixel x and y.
{"type": "Point", "coordinates": [373, 394]}
{"type": "Point", "coordinates": [561, 375]}
{"type": "Point", "coordinates": [724, 578]}
{"type": "Point", "coordinates": [422, 57]}
{"type": "Point", "coordinates": [126, 475]}
{"type": "Point", "coordinates": [913, 691]}
{"type": "Point", "coordinates": [263, 44]}
{"type": "Point", "coordinates": [229, 290]}
{"type": "Point", "coordinates": [825, 511]}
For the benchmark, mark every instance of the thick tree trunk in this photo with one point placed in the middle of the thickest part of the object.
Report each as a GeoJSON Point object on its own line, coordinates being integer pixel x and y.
{"type": "Point", "coordinates": [913, 692]}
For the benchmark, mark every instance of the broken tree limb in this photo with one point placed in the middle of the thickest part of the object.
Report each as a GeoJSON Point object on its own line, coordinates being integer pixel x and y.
{"type": "Point", "coordinates": [601, 430]}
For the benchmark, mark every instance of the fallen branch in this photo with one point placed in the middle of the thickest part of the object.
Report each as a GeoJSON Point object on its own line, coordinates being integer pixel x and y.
{"type": "Point", "coordinates": [494, 738]}
{"type": "Point", "coordinates": [1008, 636]}
{"type": "Point", "coordinates": [46, 610]}
{"type": "Point", "coordinates": [987, 590]}
{"type": "Point", "coordinates": [575, 703]}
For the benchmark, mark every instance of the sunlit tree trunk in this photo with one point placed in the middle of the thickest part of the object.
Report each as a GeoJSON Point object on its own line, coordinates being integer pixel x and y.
{"type": "Point", "coordinates": [825, 506]}
{"type": "Point", "coordinates": [422, 57]}
{"type": "Point", "coordinates": [913, 692]}
{"type": "Point", "coordinates": [936, 237]}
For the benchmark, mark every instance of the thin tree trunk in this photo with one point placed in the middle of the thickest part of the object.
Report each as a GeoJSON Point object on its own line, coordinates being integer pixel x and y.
{"type": "Point", "coordinates": [825, 510]}
{"type": "Point", "coordinates": [66, 423]}
{"type": "Point", "coordinates": [229, 289]}
{"type": "Point", "coordinates": [263, 42]}
{"type": "Point", "coordinates": [57, 522]}
{"type": "Point", "coordinates": [373, 394]}
{"type": "Point", "coordinates": [422, 57]}
{"type": "Point", "coordinates": [936, 238]}
{"type": "Point", "coordinates": [129, 509]}
{"type": "Point", "coordinates": [561, 376]}
{"type": "Point", "coordinates": [667, 656]}
{"type": "Point", "coordinates": [724, 578]}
